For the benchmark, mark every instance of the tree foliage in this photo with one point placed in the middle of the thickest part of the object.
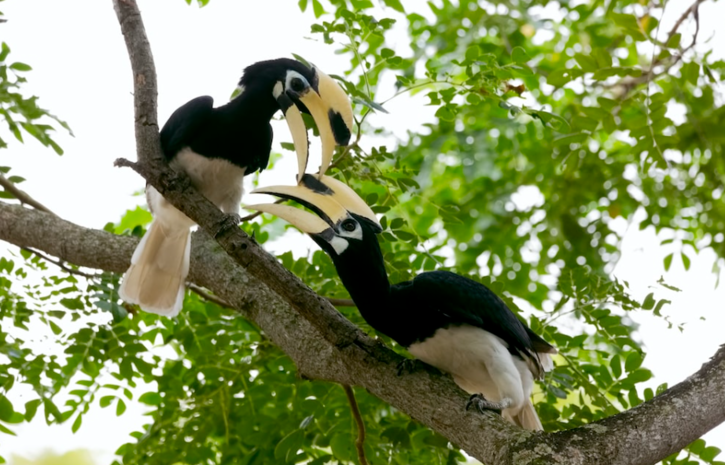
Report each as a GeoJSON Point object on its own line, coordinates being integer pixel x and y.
{"type": "Point", "coordinates": [548, 131]}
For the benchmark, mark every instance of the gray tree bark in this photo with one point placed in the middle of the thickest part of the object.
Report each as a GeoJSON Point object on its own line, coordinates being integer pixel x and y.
{"type": "Point", "coordinates": [326, 346]}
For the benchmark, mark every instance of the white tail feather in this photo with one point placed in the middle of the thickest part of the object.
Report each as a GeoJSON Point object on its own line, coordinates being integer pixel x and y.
{"type": "Point", "coordinates": [525, 418]}
{"type": "Point", "coordinates": [159, 266]}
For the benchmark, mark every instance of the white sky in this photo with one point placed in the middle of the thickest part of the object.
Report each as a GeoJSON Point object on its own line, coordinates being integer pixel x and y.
{"type": "Point", "coordinates": [82, 74]}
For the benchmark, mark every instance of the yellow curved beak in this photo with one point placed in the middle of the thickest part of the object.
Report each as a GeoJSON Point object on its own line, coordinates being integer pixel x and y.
{"type": "Point", "coordinates": [302, 220]}
{"type": "Point", "coordinates": [331, 199]}
{"type": "Point", "coordinates": [330, 107]}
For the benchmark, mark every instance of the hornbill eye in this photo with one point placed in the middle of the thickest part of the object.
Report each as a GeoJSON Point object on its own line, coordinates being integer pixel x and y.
{"type": "Point", "coordinates": [297, 85]}
{"type": "Point", "coordinates": [349, 225]}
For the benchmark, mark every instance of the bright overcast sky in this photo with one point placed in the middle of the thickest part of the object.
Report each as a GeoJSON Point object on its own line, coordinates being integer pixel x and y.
{"type": "Point", "coordinates": [81, 73]}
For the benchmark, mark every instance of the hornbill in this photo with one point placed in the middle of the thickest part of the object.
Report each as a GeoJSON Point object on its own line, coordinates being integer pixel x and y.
{"type": "Point", "coordinates": [448, 321]}
{"type": "Point", "coordinates": [217, 147]}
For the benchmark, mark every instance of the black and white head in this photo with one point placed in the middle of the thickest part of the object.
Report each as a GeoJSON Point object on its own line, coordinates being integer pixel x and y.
{"type": "Point", "coordinates": [342, 221]}
{"type": "Point", "coordinates": [297, 87]}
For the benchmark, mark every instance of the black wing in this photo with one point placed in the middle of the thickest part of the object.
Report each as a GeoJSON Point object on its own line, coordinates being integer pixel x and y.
{"type": "Point", "coordinates": [184, 123]}
{"type": "Point", "coordinates": [465, 301]}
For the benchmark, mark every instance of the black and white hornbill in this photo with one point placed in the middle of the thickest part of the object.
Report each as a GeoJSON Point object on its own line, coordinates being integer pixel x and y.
{"type": "Point", "coordinates": [217, 147]}
{"type": "Point", "coordinates": [446, 320]}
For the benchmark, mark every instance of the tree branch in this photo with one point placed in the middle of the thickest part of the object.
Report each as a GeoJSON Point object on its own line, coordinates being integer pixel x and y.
{"type": "Point", "coordinates": [360, 441]}
{"type": "Point", "coordinates": [640, 436]}
{"type": "Point", "coordinates": [627, 84]}
{"type": "Point", "coordinates": [22, 196]}
{"type": "Point", "coordinates": [145, 90]}
{"type": "Point", "coordinates": [59, 264]}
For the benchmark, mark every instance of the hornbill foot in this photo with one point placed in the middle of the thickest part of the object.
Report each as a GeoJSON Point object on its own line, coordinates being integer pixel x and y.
{"type": "Point", "coordinates": [481, 404]}
{"type": "Point", "coordinates": [409, 365]}
{"type": "Point", "coordinates": [230, 221]}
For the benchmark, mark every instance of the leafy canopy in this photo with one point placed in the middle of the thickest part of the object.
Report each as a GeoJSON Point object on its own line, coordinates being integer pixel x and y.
{"type": "Point", "coordinates": [549, 131]}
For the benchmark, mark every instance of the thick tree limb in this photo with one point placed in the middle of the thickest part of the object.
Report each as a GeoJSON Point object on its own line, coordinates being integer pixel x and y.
{"type": "Point", "coordinates": [145, 89]}
{"type": "Point", "coordinates": [324, 345]}
{"type": "Point", "coordinates": [640, 436]}
{"type": "Point", "coordinates": [357, 360]}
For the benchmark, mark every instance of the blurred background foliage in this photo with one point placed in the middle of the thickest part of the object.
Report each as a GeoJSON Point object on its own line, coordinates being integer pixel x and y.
{"type": "Point", "coordinates": [550, 136]}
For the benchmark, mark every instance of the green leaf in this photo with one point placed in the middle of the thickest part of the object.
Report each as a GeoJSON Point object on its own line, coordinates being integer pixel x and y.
{"type": "Point", "coordinates": [709, 453]}
{"type": "Point", "coordinates": [668, 262]}
{"type": "Point", "coordinates": [6, 408]}
{"type": "Point", "coordinates": [561, 76]}
{"type": "Point", "coordinates": [120, 407]}
{"type": "Point", "coordinates": [472, 52]}
{"type": "Point", "coordinates": [587, 63]}
{"type": "Point", "coordinates": [302, 5]}
{"type": "Point", "coordinates": [659, 306]}
{"type": "Point", "coordinates": [395, 4]}
{"type": "Point", "coordinates": [634, 361]}
{"type": "Point", "coordinates": [133, 218]}
{"type": "Point", "coordinates": [386, 53]}
{"type": "Point", "coordinates": [616, 366]}
{"type": "Point", "coordinates": [72, 304]}
{"type": "Point", "coordinates": [649, 301]}
{"type": "Point", "coordinates": [288, 446]}
{"type": "Point", "coordinates": [17, 66]}
{"type": "Point", "coordinates": [571, 139]}
{"type": "Point", "coordinates": [31, 407]}
{"type": "Point", "coordinates": [690, 72]}
{"type": "Point", "coordinates": [685, 260]}
{"type": "Point", "coordinates": [674, 41]}
{"type": "Point", "coordinates": [301, 60]}
{"type": "Point", "coordinates": [317, 8]}
{"type": "Point", "coordinates": [602, 57]}
{"type": "Point", "coordinates": [77, 423]}
{"type": "Point", "coordinates": [369, 103]}
{"type": "Point", "coordinates": [519, 55]}
{"type": "Point", "coordinates": [4, 429]}
{"type": "Point", "coordinates": [150, 398]}
{"type": "Point", "coordinates": [397, 223]}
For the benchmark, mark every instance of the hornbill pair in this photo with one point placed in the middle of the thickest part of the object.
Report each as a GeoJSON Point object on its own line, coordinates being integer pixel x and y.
{"type": "Point", "coordinates": [448, 321]}
{"type": "Point", "coordinates": [217, 147]}
{"type": "Point", "coordinates": [443, 319]}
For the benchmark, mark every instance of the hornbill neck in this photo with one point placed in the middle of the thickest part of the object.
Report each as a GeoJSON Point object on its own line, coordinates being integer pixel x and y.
{"type": "Point", "coordinates": [257, 103]}
{"type": "Point", "coordinates": [362, 270]}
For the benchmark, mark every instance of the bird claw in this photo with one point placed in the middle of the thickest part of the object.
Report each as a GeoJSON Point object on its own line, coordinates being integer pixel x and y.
{"type": "Point", "coordinates": [231, 220]}
{"type": "Point", "coordinates": [481, 404]}
{"type": "Point", "coordinates": [409, 365]}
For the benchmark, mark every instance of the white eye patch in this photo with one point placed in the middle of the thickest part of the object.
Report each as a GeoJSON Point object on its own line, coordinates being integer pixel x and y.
{"type": "Point", "coordinates": [356, 233]}
{"type": "Point", "coordinates": [296, 82]}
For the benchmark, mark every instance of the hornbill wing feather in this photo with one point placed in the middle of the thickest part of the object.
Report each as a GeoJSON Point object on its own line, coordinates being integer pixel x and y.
{"type": "Point", "coordinates": [467, 302]}
{"type": "Point", "coordinates": [184, 123]}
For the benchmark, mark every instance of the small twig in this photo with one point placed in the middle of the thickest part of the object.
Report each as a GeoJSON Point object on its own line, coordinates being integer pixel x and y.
{"type": "Point", "coordinates": [650, 75]}
{"type": "Point", "coordinates": [247, 218]}
{"type": "Point", "coordinates": [223, 303]}
{"type": "Point", "coordinates": [59, 264]}
{"type": "Point", "coordinates": [207, 296]}
{"type": "Point", "coordinates": [360, 441]}
{"type": "Point", "coordinates": [692, 9]}
{"type": "Point", "coordinates": [23, 197]}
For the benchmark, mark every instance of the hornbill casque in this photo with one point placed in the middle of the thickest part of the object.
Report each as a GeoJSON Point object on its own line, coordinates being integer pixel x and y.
{"type": "Point", "coordinates": [446, 320]}
{"type": "Point", "coordinates": [217, 147]}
